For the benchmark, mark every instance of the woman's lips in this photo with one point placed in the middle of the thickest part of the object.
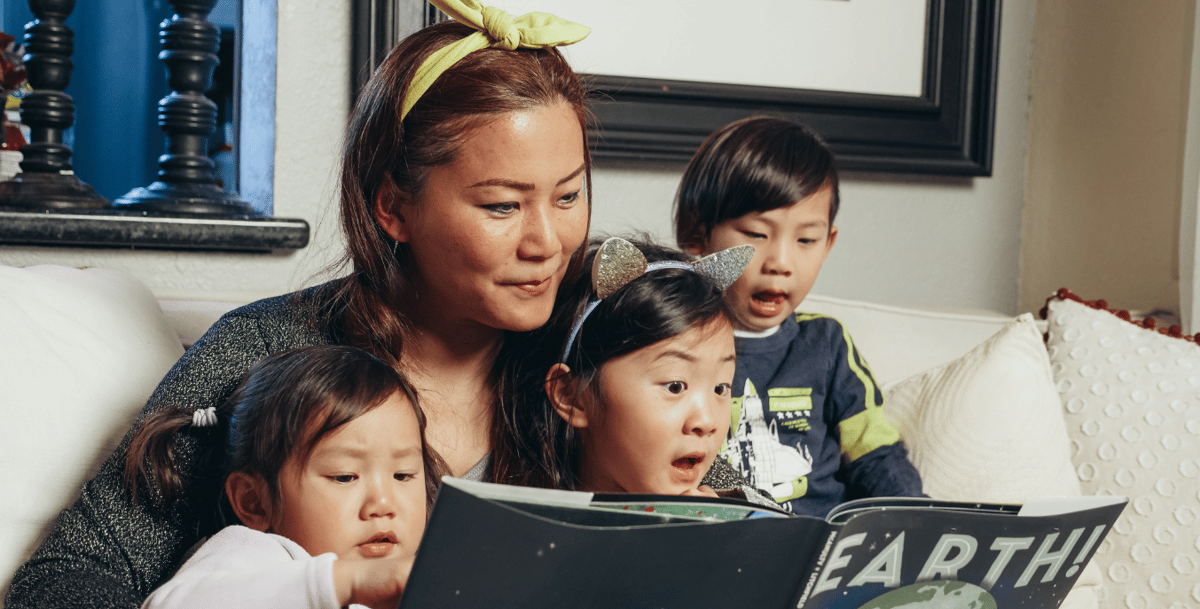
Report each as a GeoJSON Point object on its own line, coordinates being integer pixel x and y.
{"type": "Point", "coordinates": [533, 288]}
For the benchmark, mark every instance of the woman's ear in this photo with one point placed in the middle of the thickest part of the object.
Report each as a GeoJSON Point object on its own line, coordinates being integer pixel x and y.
{"type": "Point", "coordinates": [561, 388]}
{"type": "Point", "coordinates": [251, 500]}
{"type": "Point", "coordinates": [391, 208]}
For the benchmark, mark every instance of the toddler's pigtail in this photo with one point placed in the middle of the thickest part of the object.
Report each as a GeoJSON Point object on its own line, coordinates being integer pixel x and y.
{"type": "Point", "coordinates": [153, 458]}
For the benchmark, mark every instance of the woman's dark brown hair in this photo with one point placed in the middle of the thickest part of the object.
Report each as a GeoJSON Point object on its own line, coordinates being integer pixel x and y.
{"type": "Point", "coordinates": [384, 156]}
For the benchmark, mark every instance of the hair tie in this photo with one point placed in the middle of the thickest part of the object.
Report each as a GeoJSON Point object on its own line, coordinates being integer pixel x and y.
{"type": "Point", "coordinates": [495, 28]}
{"type": "Point", "coordinates": [204, 417]}
{"type": "Point", "coordinates": [619, 262]}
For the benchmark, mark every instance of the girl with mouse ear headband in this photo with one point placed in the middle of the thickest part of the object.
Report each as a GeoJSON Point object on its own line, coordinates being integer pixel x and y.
{"type": "Point", "coordinates": [639, 400]}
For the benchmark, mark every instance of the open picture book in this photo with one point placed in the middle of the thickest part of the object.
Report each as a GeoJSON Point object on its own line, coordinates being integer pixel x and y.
{"type": "Point", "coordinates": [490, 545]}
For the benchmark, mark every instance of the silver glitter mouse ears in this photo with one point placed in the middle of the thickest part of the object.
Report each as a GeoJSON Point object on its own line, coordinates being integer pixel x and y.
{"type": "Point", "coordinates": [619, 262]}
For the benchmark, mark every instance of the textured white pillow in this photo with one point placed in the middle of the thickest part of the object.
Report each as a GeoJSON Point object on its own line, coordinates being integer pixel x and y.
{"type": "Point", "coordinates": [1132, 402]}
{"type": "Point", "coordinates": [80, 351]}
{"type": "Point", "coordinates": [989, 427]}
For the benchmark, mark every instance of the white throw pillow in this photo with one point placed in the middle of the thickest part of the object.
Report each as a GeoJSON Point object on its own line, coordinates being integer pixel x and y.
{"type": "Point", "coordinates": [1132, 406]}
{"type": "Point", "coordinates": [80, 351]}
{"type": "Point", "coordinates": [988, 427]}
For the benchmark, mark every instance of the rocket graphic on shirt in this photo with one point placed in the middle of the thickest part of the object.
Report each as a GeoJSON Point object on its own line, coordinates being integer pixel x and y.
{"type": "Point", "coordinates": [755, 451]}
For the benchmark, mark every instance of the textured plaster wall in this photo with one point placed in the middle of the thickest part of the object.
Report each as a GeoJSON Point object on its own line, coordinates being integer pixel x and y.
{"type": "Point", "coordinates": [1107, 127]}
{"type": "Point", "coordinates": [919, 241]}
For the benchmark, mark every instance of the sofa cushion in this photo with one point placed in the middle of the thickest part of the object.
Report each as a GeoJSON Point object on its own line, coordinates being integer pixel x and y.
{"type": "Point", "coordinates": [988, 426]}
{"type": "Point", "coordinates": [900, 342]}
{"type": "Point", "coordinates": [80, 351]}
{"type": "Point", "coordinates": [1132, 406]}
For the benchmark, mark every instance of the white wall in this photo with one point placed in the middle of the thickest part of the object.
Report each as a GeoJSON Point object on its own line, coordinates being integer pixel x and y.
{"type": "Point", "coordinates": [921, 241]}
{"type": "Point", "coordinates": [905, 240]}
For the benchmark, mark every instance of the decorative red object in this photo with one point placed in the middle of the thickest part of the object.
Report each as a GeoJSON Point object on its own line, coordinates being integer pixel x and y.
{"type": "Point", "coordinates": [12, 76]}
{"type": "Point", "coordinates": [1148, 323]}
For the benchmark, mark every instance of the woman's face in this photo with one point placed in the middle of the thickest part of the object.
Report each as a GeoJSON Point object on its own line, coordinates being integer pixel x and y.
{"type": "Point", "coordinates": [491, 234]}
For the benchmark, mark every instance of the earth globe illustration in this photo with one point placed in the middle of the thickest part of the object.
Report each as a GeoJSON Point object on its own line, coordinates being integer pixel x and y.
{"type": "Point", "coordinates": [935, 595]}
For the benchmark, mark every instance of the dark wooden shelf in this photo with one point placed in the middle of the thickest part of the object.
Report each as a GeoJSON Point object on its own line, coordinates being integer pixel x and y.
{"type": "Point", "coordinates": [145, 230]}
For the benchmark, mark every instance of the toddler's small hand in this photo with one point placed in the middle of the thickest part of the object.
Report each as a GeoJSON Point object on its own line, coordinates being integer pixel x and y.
{"type": "Point", "coordinates": [374, 582]}
{"type": "Point", "coordinates": [703, 491]}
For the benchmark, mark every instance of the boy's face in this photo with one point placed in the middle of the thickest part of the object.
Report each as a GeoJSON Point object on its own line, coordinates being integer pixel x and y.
{"type": "Point", "coordinates": [791, 243]}
{"type": "Point", "coordinates": [362, 492]}
{"type": "Point", "coordinates": [665, 414]}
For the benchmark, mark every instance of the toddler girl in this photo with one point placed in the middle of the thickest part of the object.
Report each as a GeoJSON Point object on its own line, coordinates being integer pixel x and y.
{"type": "Point", "coordinates": [327, 472]}
{"type": "Point", "coordinates": [639, 401]}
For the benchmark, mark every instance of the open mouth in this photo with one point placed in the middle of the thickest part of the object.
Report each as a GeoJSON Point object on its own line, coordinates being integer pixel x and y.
{"type": "Point", "coordinates": [768, 303]}
{"type": "Point", "coordinates": [380, 544]}
{"type": "Point", "coordinates": [688, 462]}
{"type": "Point", "coordinates": [771, 297]}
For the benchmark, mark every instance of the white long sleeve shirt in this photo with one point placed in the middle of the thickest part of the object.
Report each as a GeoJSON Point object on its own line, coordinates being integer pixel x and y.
{"type": "Point", "coordinates": [240, 567]}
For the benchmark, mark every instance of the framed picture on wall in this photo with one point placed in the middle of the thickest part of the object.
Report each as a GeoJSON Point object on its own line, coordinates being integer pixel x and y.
{"type": "Point", "coordinates": [893, 85]}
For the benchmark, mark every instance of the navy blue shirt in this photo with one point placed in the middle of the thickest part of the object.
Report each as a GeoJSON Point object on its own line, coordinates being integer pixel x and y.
{"type": "Point", "coordinates": [808, 426]}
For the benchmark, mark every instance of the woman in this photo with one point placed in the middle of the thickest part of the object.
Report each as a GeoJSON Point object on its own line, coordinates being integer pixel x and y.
{"type": "Point", "coordinates": [463, 206]}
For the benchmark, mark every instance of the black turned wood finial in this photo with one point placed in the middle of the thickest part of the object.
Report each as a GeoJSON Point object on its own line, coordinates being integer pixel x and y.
{"type": "Point", "coordinates": [186, 177]}
{"type": "Point", "coordinates": [47, 181]}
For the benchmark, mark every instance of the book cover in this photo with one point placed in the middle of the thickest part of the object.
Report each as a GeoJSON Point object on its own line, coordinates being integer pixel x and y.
{"type": "Point", "coordinates": [490, 545]}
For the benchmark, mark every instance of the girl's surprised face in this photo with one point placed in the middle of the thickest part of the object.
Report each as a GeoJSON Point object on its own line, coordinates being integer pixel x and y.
{"type": "Point", "coordinates": [362, 492]}
{"type": "Point", "coordinates": [664, 415]}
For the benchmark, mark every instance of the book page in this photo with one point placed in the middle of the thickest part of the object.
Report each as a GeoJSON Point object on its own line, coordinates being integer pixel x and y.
{"type": "Point", "coordinates": [523, 494]}
{"type": "Point", "coordinates": [1054, 506]}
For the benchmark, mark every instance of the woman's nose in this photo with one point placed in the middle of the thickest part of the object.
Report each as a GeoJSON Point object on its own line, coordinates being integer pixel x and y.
{"type": "Point", "coordinates": [539, 235]}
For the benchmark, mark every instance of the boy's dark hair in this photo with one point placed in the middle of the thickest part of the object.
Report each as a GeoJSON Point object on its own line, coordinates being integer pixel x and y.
{"type": "Point", "coordinates": [286, 403]}
{"type": "Point", "coordinates": [656, 306]}
{"type": "Point", "coordinates": [752, 165]}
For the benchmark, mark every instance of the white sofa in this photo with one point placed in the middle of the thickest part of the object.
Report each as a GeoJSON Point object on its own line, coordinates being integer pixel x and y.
{"type": "Point", "coordinates": [988, 411]}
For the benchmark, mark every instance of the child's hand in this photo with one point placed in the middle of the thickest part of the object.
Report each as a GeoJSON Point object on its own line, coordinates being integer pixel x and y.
{"type": "Point", "coordinates": [376, 582]}
{"type": "Point", "coordinates": [703, 491]}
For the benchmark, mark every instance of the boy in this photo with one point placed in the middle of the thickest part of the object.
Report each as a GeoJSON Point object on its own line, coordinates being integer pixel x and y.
{"type": "Point", "coordinates": [808, 425]}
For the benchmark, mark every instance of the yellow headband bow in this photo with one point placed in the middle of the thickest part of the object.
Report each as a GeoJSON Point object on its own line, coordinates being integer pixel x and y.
{"type": "Point", "coordinates": [496, 29]}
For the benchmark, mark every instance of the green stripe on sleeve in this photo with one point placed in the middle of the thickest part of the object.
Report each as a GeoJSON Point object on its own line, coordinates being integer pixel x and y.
{"type": "Point", "coordinates": [866, 431]}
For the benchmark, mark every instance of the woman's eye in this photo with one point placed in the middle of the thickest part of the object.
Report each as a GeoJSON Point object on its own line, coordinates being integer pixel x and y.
{"type": "Point", "coordinates": [569, 199]}
{"type": "Point", "coordinates": [723, 389]}
{"type": "Point", "coordinates": [676, 387]}
{"type": "Point", "coordinates": [343, 478]}
{"type": "Point", "coordinates": [403, 477]}
{"type": "Point", "coordinates": [754, 235]}
{"type": "Point", "coordinates": [501, 209]}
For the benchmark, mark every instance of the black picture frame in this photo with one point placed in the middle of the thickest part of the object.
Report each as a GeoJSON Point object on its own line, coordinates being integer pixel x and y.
{"type": "Point", "coordinates": [947, 130]}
